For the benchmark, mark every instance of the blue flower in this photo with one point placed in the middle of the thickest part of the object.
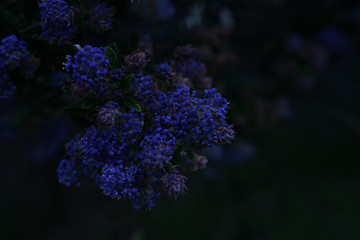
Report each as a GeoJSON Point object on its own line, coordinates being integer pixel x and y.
{"type": "Point", "coordinates": [146, 198]}
{"type": "Point", "coordinates": [13, 55]}
{"type": "Point", "coordinates": [143, 88]}
{"type": "Point", "coordinates": [156, 151]}
{"type": "Point", "coordinates": [68, 173]}
{"type": "Point", "coordinates": [113, 142]}
{"type": "Point", "coordinates": [163, 71]}
{"type": "Point", "coordinates": [7, 88]}
{"type": "Point", "coordinates": [100, 18]}
{"type": "Point", "coordinates": [57, 17]}
{"type": "Point", "coordinates": [191, 68]}
{"type": "Point", "coordinates": [70, 170]}
{"type": "Point", "coordinates": [128, 153]}
{"type": "Point", "coordinates": [118, 181]}
{"type": "Point", "coordinates": [89, 69]}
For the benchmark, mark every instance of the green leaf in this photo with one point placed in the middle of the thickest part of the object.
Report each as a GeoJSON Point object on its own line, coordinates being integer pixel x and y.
{"type": "Point", "coordinates": [112, 57]}
{"type": "Point", "coordinates": [115, 47]}
{"type": "Point", "coordinates": [79, 115]}
{"type": "Point", "coordinates": [130, 102]}
{"type": "Point", "coordinates": [127, 80]}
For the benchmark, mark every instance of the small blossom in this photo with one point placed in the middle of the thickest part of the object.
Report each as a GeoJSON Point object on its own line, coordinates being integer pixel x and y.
{"type": "Point", "coordinates": [199, 162]}
{"type": "Point", "coordinates": [174, 183]}
{"type": "Point", "coordinates": [100, 18]}
{"type": "Point", "coordinates": [156, 150]}
{"type": "Point", "coordinates": [136, 62]}
{"type": "Point", "coordinates": [118, 181]}
{"type": "Point", "coordinates": [68, 171]}
{"type": "Point", "coordinates": [108, 114]}
{"type": "Point", "coordinates": [163, 71]}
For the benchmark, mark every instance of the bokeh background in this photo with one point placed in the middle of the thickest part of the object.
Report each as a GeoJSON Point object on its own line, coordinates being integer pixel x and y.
{"type": "Point", "coordinates": [291, 71]}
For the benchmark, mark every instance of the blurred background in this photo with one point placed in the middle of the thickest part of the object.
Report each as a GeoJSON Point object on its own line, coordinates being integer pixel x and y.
{"type": "Point", "coordinates": [290, 70]}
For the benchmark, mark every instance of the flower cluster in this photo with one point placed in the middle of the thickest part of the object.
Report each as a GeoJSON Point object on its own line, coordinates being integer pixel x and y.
{"type": "Point", "coordinates": [88, 68]}
{"type": "Point", "coordinates": [174, 183]}
{"type": "Point", "coordinates": [100, 18]}
{"type": "Point", "coordinates": [136, 62]}
{"type": "Point", "coordinates": [57, 17]}
{"type": "Point", "coordinates": [190, 66]}
{"type": "Point", "coordinates": [163, 71]}
{"type": "Point", "coordinates": [197, 121]}
{"type": "Point", "coordinates": [68, 172]}
{"type": "Point", "coordinates": [13, 55]}
{"type": "Point", "coordinates": [144, 132]}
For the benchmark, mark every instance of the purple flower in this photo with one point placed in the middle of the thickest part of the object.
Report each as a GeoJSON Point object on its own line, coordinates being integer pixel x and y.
{"type": "Point", "coordinates": [13, 55]}
{"type": "Point", "coordinates": [69, 172]}
{"type": "Point", "coordinates": [57, 17]}
{"type": "Point", "coordinates": [147, 127]}
{"type": "Point", "coordinates": [118, 181]}
{"type": "Point", "coordinates": [174, 183]}
{"type": "Point", "coordinates": [135, 63]}
{"type": "Point", "coordinates": [88, 69]}
{"type": "Point", "coordinates": [163, 71]}
{"type": "Point", "coordinates": [100, 18]}
{"type": "Point", "coordinates": [156, 151]}
{"type": "Point", "coordinates": [7, 88]}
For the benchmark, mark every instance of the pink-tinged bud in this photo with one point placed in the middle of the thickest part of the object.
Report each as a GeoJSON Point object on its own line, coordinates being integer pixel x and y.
{"type": "Point", "coordinates": [227, 134]}
{"type": "Point", "coordinates": [77, 90]}
{"type": "Point", "coordinates": [136, 62]}
{"type": "Point", "coordinates": [108, 114]}
{"type": "Point", "coordinates": [199, 162]}
{"type": "Point", "coordinates": [174, 183]}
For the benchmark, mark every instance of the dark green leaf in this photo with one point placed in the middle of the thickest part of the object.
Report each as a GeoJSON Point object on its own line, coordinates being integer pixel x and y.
{"type": "Point", "coordinates": [112, 57]}
{"type": "Point", "coordinates": [79, 115]}
{"type": "Point", "coordinates": [130, 102]}
{"type": "Point", "coordinates": [115, 47]}
{"type": "Point", "coordinates": [127, 80]}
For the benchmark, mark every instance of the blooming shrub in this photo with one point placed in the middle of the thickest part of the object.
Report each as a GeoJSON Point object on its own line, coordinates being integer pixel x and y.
{"type": "Point", "coordinates": [144, 132]}
{"type": "Point", "coordinates": [142, 126]}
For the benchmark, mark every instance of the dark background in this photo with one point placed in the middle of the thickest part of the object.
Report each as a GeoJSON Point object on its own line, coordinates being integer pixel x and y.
{"type": "Point", "coordinates": [290, 70]}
